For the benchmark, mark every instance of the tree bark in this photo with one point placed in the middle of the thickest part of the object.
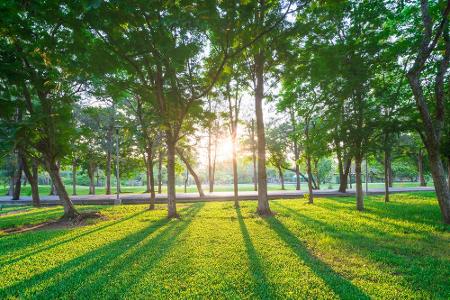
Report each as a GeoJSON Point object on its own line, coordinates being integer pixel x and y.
{"type": "Point", "coordinates": [160, 159]}
{"type": "Point", "coordinates": [151, 177]}
{"type": "Point", "coordinates": [391, 176]}
{"type": "Point", "coordinates": [171, 193]}
{"type": "Point", "coordinates": [359, 188]}
{"type": "Point", "coordinates": [192, 172]}
{"type": "Point", "coordinates": [343, 176]}
{"type": "Point", "coordinates": [91, 178]}
{"type": "Point", "coordinates": [440, 183]}
{"type": "Point", "coordinates": [387, 158]}
{"type": "Point", "coordinates": [255, 173]}
{"type": "Point", "coordinates": [310, 178]}
{"type": "Point", "coordinates": [74, 178]}
{"type": "Point", "coordinates": [18, 180]}
{"type": "Point", "coordinates": [108, 172]}
{"type": "Point", "coordinates": [53, 170]}
{"type": "Point", "coordinates": [280, 174]}
{"type": "Point", "coordinates": [420, 166]}
{"type": "Point", "coordinates": [263, 201]}
{"type": "Point", "coordinates": [32, 177]}
{"type": "Point", "coordinates": [448, 172]}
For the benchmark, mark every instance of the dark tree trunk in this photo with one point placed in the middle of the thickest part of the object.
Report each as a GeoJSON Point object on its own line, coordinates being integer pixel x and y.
{"type": "Point", "coordinates": [263, 201]}
{"type": "Point", "coordinates": [310, 179]}
{"type": "Point", "coordinates": [343, 176]}
{"type": "Point", "coordinates": [32, 176]}
{"type": "Point", "coordinates": [440, 183]}
{"type": "Point", "coordinates": [160, 159]}
{"type": "Point", "coordinates": [171, 193]}
{"type": "Point", "coordinates": [91, 178]}
{"type": "Point", "coordinates": [18, 180]}
{"type": "Point", "coordinates": [147, 173]}
{"type": "Point", "coordinates": [255, 173]}
{"type": "Point", "coordinates": [387, 158]}
{"type": "Point", "coordinates": [53, 191]}
{"type": "Point", "coordinates": [186, 179]}
{"type": "Point", "coordinates": [74, 178]}
{"type": "Point", "coordinates": [151, 177]}
{"type": "Point", "coordinates": [420, 166]}
{"type": "Point", "coordinates": [448, 172]}
{"type": "Point", "coordinates": [53, 170]}
{"type": "Point", "coordinates": [192, 172]}
{"type": "Point", "coordinates": [391, 176]}
{"type": "Point", "coordinates": [280, 174]}
{"type": "Point", "coordinates": [108, 172]}
{"type": "Point", "coordinates": [359, 189]}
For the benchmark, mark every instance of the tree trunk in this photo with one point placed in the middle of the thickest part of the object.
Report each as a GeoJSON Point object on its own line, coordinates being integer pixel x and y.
{"type": "Point", "coordinates": [210, 180]}
{"type": "Point", "coordinates": [151, 178]}
{"type": "Point", "coordinates": [53, 170]}
{"type": "Point", "coordinates": [235, 171]}
{"type": "Point", "coordinates": [192, 172]}
{"type": "Point", "coordinates": [255, 173]}
{"type": "Point", "coordinates": [448, 172]}
{"type": "Point", "coordinates": [74, 178]}
{"type": "Point", "coordinates": [186, 179]}
{"type": "Point", "coordinates": [108, 172]}
{"type": "Point", "coordinates": [263, 201]}
{"type": "Point", "coordinates": [160, 159]}
{"type": "Point", "coordinates": [387, 158]}
{"type": "Point", "coordinates": [440, 183]}
{"type": "Point", "coordinates": [91, 178]}
{"type": "Point", "coordinates": [280, 174]}
{"type": "Point", "coordinates": [18, 180]}
{"type": "Point", "coordinates": [171, 193]}
{"type": "Point", "coordinates": [310, 176]}
{"type": "Point", "coordinates": [391, 177]}
{"type": "Point", "coordinates": [420, 166]}
{"type": "Point", "coordinates": [147, 173]}
{"type": "Point", "coordinates": [359, 189]}
{"type": "Point", "coordinates": [343, 176]}
{"type": "Point", "coordinates": [32, 176]}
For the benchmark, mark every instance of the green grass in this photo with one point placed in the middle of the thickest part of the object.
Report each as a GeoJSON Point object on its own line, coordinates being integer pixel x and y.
{"type": "Point", "coordinates": [326, 250]}
{"type": "Point", "coordinates": [84, 190]}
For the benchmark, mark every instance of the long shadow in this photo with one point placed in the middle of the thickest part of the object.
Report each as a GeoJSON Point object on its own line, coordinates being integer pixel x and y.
{"type": "Point", "coordinates": [70, 239]}
{"type": "Point", "coordinates": [263, 288]}
{"type": "Point", "coordinates": [26, 217]}
{"type": "Point", "coordinates": [388, 254]}
{"type": "Point", "coordinates": [344, 288]}
{"type": "Point", "coordinates": [141, 260]}
{"type": "Point", "coordinates": [72, 274]}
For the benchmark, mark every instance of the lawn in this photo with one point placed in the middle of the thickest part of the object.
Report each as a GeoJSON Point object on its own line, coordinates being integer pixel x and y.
{"type": "Point", "coordinates": [84, 190]}
{"type": "Point", "coordinates": [325, 250]}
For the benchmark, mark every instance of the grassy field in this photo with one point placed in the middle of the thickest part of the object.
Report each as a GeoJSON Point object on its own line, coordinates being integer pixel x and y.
{"type": "Point", "coordinates": [326, 250]}
{"type": "Point", "coordinates": [84, 190]}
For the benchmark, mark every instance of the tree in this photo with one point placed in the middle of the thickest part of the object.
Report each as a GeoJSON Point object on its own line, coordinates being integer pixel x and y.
{"type": "Point", "coordinates": [432, 56]}
{"type": "Point", "coordinates": [37, 57]}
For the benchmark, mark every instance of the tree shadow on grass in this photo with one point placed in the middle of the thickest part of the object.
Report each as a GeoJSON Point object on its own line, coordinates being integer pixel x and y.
{"type": "Point", "coordinates": [344, 288]}
{"type": "Point", "coordinates": [262, 286]}
{"type": "Point", "coordinates": [62, 280]}
{"type": "Point", "coordinates": [403, 258]}
{"type": "Point", "coordinates": [57, 233]}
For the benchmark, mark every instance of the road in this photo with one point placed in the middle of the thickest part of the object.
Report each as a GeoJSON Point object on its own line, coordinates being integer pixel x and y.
{"type": "Point", "coordinates": [131, 198]}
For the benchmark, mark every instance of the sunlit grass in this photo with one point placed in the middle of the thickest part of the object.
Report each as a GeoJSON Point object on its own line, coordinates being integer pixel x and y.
{"type": "Point", "coordinates": [326, 250]}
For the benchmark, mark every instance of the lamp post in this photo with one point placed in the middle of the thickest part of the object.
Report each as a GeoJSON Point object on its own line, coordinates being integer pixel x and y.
{"type": "Point", "coordinates": [118, 200]}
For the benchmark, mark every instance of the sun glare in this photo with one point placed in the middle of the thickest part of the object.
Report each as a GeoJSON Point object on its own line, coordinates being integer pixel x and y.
{"type": "Point", "coordinates": [224, 149]}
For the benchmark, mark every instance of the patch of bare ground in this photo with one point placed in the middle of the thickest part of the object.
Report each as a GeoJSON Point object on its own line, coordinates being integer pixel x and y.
{"type": "Point", "coordinates": [82, 219]}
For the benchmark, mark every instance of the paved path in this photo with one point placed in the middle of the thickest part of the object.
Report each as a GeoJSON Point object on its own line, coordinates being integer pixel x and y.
{"type": "Point", "coordinates": [131, 198]}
